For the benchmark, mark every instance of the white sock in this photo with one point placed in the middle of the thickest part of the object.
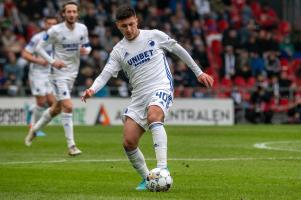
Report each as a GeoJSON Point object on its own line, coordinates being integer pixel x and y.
{"type": "Point", "coordinates": [160, 143]}
{"type": "Point", "coordinates": [37, 113]}
{"type": "Point", "coordinates": [44, 120]}
{"type": "Point", "coordinates": [138, 162]}
{"type": "Point", "coordinates": [67, 122]}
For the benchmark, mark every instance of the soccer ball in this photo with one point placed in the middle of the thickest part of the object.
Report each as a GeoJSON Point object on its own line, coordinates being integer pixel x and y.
{"type": "Point", "coordinates": [159, 180]}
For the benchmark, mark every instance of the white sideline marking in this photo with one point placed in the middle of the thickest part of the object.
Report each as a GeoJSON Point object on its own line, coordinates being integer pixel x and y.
{"type": "Point", "coordinates": [266, 145]}
{"type": "Point", "coordinates": [125, 160]}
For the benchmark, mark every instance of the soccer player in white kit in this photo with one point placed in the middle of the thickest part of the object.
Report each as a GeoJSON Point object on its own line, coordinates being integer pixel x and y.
{"type": "Point", "coordinates": [140, 54]}
{"type": "Point", "coordinates": [70, 40]}
{"type": "Point", "coordinates": [39, 72]}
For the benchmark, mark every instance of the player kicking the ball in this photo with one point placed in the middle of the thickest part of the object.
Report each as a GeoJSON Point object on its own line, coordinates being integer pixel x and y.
{"type": "Point", "coordinates": [140, 54]}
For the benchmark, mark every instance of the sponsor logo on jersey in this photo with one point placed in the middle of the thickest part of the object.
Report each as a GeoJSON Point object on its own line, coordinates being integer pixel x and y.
{"type": "Point", "coordinates": [141, 58]}
{"type": "Point", "coordinates": [71, 47]}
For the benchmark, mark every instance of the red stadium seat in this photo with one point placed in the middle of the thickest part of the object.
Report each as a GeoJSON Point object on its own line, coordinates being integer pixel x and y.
{"type": "Point", "coordinates": [240, 81]}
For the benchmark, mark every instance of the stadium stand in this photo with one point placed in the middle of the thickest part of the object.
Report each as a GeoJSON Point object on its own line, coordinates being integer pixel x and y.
{"type": "Point", "coordinates": [244, 44]}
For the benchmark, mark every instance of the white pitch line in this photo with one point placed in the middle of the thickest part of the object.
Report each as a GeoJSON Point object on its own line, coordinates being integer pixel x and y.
{"type": "Point", "coordinates": [125, 160]}
{"type": "Point", "coordinates": [266, 145]}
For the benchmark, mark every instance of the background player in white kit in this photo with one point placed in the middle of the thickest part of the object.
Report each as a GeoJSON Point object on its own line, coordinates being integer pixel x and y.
{"type": "Point", "coordinates": [70, 40]}
{"type": "Point", "coordinates": [39, 72]}
{"type": "Point", "coordinates": [140, 55]}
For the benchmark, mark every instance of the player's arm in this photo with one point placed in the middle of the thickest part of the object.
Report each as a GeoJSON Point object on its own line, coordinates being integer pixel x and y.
{"type": "Point", "coordinates": [99, 83]}
{"type": "Point", "coordinates": [85, 48]}
{"type": "Point", "coordinates": [40, 49]}
{"type": "Point", "coordinates": [172, 46]}
{"type": "Point", "coordinates": [28, 52]}
{"type": "Point", "coordinates": [111, 68]}
{"type": "Point", "coordinates": [202, 77]}
{"type": "Point", "coordinates": [32, 58]}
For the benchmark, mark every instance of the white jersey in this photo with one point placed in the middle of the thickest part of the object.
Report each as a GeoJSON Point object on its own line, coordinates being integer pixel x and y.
{"type": "Point", "coordinates": [144, 62]}
{"type": "Point", "coordinates": [67, 44]}
{"type": "Point", "coordinates": [37, 70]}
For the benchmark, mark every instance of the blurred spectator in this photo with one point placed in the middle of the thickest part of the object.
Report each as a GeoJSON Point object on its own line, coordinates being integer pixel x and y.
{"type": "Point", "coordinates": [287, 48]}
{"type": "Point", "coordinates": [10, 41]}
{"type": "Point", "coordinates": [229, 63]}
{"type": "Point", "coordinates": [294, 113]}
{"type": "Point", "coordinates": [13, 71]}
{"type": "Point", "coordinates": [275, 87]}
{"type": "Point", "coordinates": [230, 38]}
{"type": "Point", "coordinates": [181, 75]}
{"type": "Point", "coordinates": [267, 17]}
{"type": "Point", "coordinates": [241, 43]}
{"type": "Point", "coordinates": [285, 84]}
{"type": "Point", "coordinates": [90, 17]}
{"type": "Point", "coordinates": [199, 54]}
{"type": "Point", "coordinates": [256, 63]}
{"type": "Point", "coordinates": [260, 110]}
{"type": "Point", "coordinates": [297, 45]}
{"type": "Point", "coordinates": [272, 65]}
{"type": "Point", "coordinates": [203, 7]}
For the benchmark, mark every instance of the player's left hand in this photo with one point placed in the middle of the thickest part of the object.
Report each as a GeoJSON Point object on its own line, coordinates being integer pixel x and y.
{"type": "Point", "coordinates": [206, 79]}
{"type": "Point", "coordinates": [87, 94]}
{"type": "Point", "coordinates": [83, 51]}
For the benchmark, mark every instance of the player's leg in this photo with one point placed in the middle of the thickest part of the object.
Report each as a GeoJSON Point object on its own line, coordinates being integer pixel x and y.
{"type": "Point", "coordinates": [39, 108]}
{"type": "Point", "coordinates": [42, 91]}
{"type": "Point", "coordinates": [67, 121]}
{"type": "Point", "coordinates": [50, 99]}
{"type": "Point", "coordinates": [46, 117]}
{"type": "Point", "coordinates": [44, 99]}
{"type": "Point", "coordinates": [41, 103]}
{"type": "Point", "coordinates": [38, 90]}
{"type": "Point", "coordinates": [131, 135]}
{"type": "Point", "coordinates": [157, 110]}
{"type": "Point", "coordinates": [65, 88]}
{"type": "Point", "coordinates": [155, 118]}
{"type": "Point", "coordinates": [49, 113]}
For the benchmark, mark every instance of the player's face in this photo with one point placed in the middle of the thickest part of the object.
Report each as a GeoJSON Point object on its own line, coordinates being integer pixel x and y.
{"type": "Point", "coordinates": [49, 23]}
{"type": "Point", "coordinates": [71, 13]}
{"type": "Point", "coordinates": [128, 27]}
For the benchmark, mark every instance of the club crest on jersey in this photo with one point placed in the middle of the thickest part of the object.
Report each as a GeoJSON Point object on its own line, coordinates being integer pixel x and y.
{"type": "Point", "coordinates": [46, 36]}
{"type": "Point", "coordinates": [140, 58]}
{"type": "Point", "coordinates": [151, 43]}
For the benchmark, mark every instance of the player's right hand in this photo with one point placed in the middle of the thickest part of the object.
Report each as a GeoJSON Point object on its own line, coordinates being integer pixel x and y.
{"type": "Point", "coordinates": [206, 79]}
{"type": "Point", "coordinates": [58, 64]}
{"type": "Point", "coordinates": [87, 94]}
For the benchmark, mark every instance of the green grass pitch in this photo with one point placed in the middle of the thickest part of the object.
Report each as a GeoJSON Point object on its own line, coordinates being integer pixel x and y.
{"type": "Point", "coordinates": [205, 162]}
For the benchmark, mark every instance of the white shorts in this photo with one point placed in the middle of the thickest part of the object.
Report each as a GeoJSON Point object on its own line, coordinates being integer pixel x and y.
{"type": "Point", "coordinates": [137, 110]}
{"type": "Point", "coordinates": [40, 86]}
{"type": "Point", "coordinates": [62, 88]}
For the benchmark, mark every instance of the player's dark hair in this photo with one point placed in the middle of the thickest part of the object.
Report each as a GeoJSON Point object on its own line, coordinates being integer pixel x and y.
{"type": "Point", "coordinates": [124, 12]}
{"type": "Point", "coordinates": [69, 3]}
{"type": "Point", "coordinates": [51, 17]}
